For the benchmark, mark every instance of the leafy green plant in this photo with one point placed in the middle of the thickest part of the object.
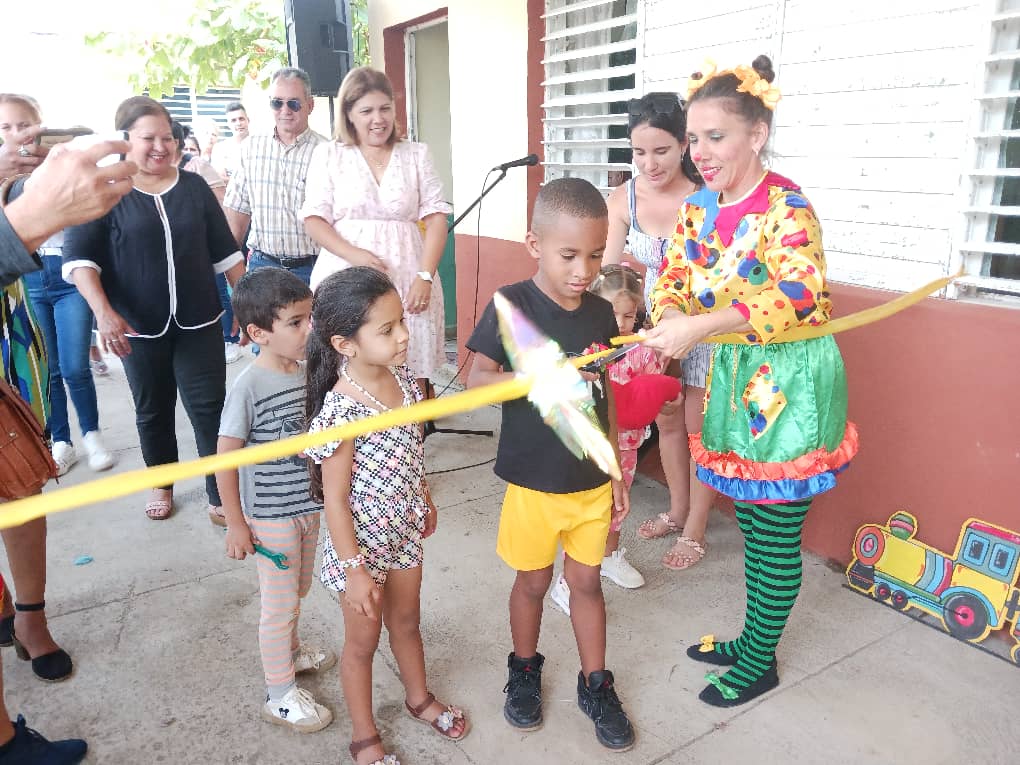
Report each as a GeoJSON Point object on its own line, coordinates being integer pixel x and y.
{"type": "Point", "coordinates": [359, 28]}
{"type": "Point", "coordinates": [224, 43]}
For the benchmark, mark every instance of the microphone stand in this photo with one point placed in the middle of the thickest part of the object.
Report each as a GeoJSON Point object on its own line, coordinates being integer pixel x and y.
{"type": "Point", "coordinates": [430, 426]}
{"type": "Point", "coordinates": [490, 187]}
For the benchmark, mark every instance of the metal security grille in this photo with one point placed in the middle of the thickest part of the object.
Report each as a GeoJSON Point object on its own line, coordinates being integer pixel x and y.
{"type": "Point", "coordinates": [990, 249]}
{"type": "Point", "coordinates": [188, 108]}
{"type": "Point", "coordinates": [591, 71]}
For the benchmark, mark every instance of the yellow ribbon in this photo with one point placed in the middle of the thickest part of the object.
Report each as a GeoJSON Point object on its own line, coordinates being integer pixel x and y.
{"type": "Point", "coordinates": [853, 321]}
{"type": "Point", "coordinates": [707, 644]}
{"type": "Point", "coordinates": [120, 485]}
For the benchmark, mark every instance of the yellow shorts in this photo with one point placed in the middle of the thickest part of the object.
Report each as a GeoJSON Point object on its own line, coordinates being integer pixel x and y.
{"type": "Point", "coordinates": [534, 522]}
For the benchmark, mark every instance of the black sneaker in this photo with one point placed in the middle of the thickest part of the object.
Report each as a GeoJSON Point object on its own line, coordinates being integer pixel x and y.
{"type": "Point", "coordinates": [599, 701]}
{"type": "Point", "coordinates": [523, 706]}
{"type": "Point", "coordinates": [29, 748]}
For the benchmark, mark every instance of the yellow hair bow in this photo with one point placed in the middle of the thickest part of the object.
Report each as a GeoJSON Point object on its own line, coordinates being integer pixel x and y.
{"type": "Point", "coordinates": [753, 83]}
{"type": "Point", "coordinates": [750, 82]}
{"type": "Point", "coordinates": [700, 77]}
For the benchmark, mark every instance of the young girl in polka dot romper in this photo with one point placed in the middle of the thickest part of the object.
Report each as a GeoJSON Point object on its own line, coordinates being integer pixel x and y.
{"type": "Point", "coordinates": [376, 500]}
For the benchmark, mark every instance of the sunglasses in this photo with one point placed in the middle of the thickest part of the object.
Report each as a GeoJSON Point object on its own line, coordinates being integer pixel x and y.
{"type": "Point", "coordinates": [292, 103]}
{"type": "Point", "coordinates": [660, 103]}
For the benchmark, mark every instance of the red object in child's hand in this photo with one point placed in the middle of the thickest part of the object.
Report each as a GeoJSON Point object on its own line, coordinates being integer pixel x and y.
{"type": "Point", "coordinates": [639, 401]}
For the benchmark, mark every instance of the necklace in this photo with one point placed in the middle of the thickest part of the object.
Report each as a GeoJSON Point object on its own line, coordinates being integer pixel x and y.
{"type": "Point", "coordinates": [365, 393]}
{"type": "Point", "coordinates": [379, 164]}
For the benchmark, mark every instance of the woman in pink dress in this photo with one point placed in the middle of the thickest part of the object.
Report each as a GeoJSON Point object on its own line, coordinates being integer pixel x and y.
{"type": "Point", "coordinates": [365, 193]}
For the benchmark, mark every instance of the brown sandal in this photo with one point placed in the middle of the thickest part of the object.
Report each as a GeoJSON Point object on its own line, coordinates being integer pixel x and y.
{"type": "Point", "coordinates": [693, 553]}
{"type": "Point", "coordinates": [445, 722]}
{"type": "Point", "coordinates": [357, 747]}
{"type": "Point", "coordinates": [647, 529]}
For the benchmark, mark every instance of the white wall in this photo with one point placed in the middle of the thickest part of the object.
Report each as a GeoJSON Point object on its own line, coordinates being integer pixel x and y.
{"type": "Point", "coordinates": [488, 100]}
{"type": "Point", "coordinates": [877, 99]}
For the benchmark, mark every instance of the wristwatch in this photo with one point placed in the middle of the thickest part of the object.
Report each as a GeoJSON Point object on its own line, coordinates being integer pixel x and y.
{"type": "Point", "coordinates": [425, 276]}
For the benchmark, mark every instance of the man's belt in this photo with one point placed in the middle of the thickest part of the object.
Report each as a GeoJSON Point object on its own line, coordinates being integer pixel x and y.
{"type": "Point", "coordinates": [285, 261]}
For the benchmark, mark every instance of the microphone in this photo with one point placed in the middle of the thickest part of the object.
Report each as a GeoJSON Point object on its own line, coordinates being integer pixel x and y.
{"type": "Point", "coordinates": [530, 161]}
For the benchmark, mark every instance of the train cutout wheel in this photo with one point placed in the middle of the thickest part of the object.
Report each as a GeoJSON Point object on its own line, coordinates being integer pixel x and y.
{"type": "Point", "coordinates": [966, 618]}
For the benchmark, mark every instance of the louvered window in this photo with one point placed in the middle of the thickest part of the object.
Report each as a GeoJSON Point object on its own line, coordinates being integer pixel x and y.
{"type": "Point", "coordinates": [590, 73]}
{"type": "Point", "coordinates": [990, 250]}
{"type": "Point", "coordinates": [186, 107]}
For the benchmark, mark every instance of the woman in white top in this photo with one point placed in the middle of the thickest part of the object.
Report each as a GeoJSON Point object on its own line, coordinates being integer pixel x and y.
{"type": "Point", "coordinates": [365, 193]}
{"type": "Point", "coordinates": [642, 218]}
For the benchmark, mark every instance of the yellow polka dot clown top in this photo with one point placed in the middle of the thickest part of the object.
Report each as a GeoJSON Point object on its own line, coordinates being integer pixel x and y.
{"type": "Point", "coordinates": [761, 254]}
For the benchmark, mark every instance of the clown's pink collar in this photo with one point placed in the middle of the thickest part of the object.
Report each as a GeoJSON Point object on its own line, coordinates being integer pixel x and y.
{"type": "Point", "coordinates": [724, 219]}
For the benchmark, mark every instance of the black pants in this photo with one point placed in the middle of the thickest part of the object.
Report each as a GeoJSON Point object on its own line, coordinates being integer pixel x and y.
{"type": "Point", "coordinates": [187, 360]}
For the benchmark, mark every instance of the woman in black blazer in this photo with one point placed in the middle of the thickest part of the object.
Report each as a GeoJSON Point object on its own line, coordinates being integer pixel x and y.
{"type": "Point", "coordinates": [148, 270]}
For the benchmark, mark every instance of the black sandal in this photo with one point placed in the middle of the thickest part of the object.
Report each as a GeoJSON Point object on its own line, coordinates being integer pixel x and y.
{"type": "Point", "coordinates": [7, 631]}
{"type": "Point", "coordinates": [51, 667]}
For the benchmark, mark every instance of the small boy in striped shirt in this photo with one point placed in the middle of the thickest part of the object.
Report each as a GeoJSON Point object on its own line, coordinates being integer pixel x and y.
{"type": "Point", "coordinates": [269, 503]}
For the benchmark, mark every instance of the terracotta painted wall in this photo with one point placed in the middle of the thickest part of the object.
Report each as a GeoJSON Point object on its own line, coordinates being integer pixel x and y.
{"type": "Point", "coordinates": [931, 391]}
{"type": "Point", "coordinates": [501, 262]}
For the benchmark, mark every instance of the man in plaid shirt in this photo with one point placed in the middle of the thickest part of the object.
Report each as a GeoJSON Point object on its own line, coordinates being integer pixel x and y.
{"type": "Point", "coordinates": [268, 188]}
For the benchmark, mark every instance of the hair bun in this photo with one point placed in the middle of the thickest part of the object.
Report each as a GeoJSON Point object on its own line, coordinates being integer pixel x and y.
{"type": "Point", "coordinates": [763, 66]}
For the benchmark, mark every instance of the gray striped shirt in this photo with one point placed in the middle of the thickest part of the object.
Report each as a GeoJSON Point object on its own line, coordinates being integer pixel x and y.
{"type": "Point", "coordinates": [264, 406]}
{"type": "Point", "coordinates": [269, 185]}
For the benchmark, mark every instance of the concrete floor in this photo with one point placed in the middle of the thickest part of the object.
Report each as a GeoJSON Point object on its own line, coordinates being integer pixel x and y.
{"type": "Point", "coordinates": [162, 627]}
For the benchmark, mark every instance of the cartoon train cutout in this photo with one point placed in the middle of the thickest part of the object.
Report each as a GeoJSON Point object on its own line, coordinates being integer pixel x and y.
{"type": "Point", "coordinates": [972, 592]}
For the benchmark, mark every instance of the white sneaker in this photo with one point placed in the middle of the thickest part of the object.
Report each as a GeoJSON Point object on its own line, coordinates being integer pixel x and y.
{"type": "Point", "coordinates": [99, 457]}
{"type": "Point", "coordinates": [560, 594]}
{"type": "Point", "coordinates": [310, 658]}
{"type": "Point", "coordinates": [299, 711]}
{"type": "Point", "coordinates": [232, 352]}
{"type": "Point", "coordinates": [617, 569]}
{"type": "Point", "coordinates": [64, 455]}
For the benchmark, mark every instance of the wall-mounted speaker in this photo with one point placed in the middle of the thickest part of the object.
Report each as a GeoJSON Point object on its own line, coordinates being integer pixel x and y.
{"type": "Point", "coordinates": [320, 40]}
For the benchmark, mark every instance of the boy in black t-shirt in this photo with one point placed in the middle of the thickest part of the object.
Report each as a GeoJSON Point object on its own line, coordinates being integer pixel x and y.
{"type": "Point", "coordinates": [552, 496]}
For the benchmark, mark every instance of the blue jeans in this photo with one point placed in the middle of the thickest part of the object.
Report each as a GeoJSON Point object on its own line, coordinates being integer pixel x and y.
{"type": "Point", "coordinates": [256, 260]}
{"type": "Point", "coordinates": [227, 319]}
{"type": "Point", "coordinates": [66, 323]}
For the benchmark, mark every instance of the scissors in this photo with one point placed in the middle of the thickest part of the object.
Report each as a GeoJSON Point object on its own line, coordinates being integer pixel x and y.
{"type": "Point", "coordinates": [597, 366]}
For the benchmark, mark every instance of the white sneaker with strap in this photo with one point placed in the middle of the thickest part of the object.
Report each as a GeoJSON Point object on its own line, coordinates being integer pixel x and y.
{"type": "Point", "coordinates": [560, 594]}
{"type": "Point", "coordinates": [617, 568]}
{"type": "Point", "coordinates": [232, 352]}
{"type": "Point", "coordinates": [299, 711]}
{"type": "Point", "coordinates": [99, 456]}
{"type": "Point", "coordinates": [64, 456]}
